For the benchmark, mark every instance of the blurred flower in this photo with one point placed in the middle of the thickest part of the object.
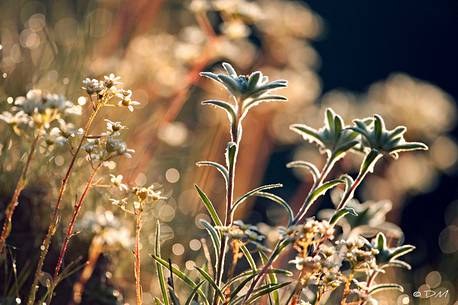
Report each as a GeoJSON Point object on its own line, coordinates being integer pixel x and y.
{"type": "Point", "coordinates": [117, 182]}
{"type": "Point", "coordinates": [92, 86]}
{"type": "Point", "coordinates": [114, 127]}
{"type": "Point", "coordinates": [111, 80]}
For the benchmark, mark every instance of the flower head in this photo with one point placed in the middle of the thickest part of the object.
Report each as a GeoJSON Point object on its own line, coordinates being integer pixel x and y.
{"type": "Point", "coordinates": [116, 147]}
{"type": "Point", "coordinates": [334, 138]}
{"type": "Point", "coordinates": [114, 127]}
{"type": "Point", "coordinates": [117, 182]}
{"type": "Point", "coordinates": [92, 86]}
{"type": "Point", "coordinates": [376, 137]}
{"type": "Point", "coordinates": [127, 102]}
{"type": "Point", "coordinates": [111, 80]}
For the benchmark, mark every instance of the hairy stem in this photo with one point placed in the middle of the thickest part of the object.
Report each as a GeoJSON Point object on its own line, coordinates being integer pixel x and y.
{"type": "Point", "coordinates": [229, 215]}
{"type": "Point", "coordinates": [14, 202]}
{"type": "Point", "coordinates": [55, 216]}
{"type": "Point", "coordinates": [307, 204]}
{"type": "Point", "coordinates": [368, 163]}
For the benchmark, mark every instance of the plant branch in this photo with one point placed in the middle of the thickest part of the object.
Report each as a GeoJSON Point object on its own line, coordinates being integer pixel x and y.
{"type": "Point", "coordinates": [307, 204]}
{"type": "Point", "coordinates": [71, 225]}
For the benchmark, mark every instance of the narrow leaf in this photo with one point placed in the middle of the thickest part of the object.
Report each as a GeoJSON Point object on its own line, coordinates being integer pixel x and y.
{"type": "Point", "coordinates": [381, 287]}
{"type": "Point", "coordinates": [210, 207]}
{"type": "Point", "coordinates": [214, 236]}
{"type": "Point", "coordinates": [181, 275]}
{"type": "Point", "coordinates": [230, 84]}
{"type": "Point", "coordinates": [229, 69]}
{"type": "Point", "coordinates": [321, 190]}
{"type": "Point", "coordinates": [253, 193]}
{"type": "Point", "coordinates": [212, 283]}
{"type": "Point", "coordinates": [379, 126]}
{"type": "Point", "coordinates": [308, 133]}
{"type": "Point", "coordinates": [211, 76]}
{"type": "Point", "coordinates": [265, 290]}
{"type": "Point", "coordinates": [342, 213]}
{"type": "Point", "coordinates": [380, 241]}
{"type": "Point", "coordinates": [160, 271]}
{"type": "Point", "coordinates": [400, 251]}
{"type": "Point", "coordinates": [254, 80]}
{"type": "Point", "coordinates": [398, 264]}
{"type": "Point", "coordinates": [304, 164]}
{"type": "Point", "coordinates": [173, 296]}
{"type": "Point", "coordinates": [231, 112]}
{"type": "Point", "coordinates": [218, 166]}
{"type": "Point", "coordinates": [193, 293]}
{"type": "Point", "coordinates": [271, 279]}
{"type": "Point", "coordinates": [280, 201]}
{"type": "Point", "coordinates": [231, 149]}
{"type": "Point", "coordinates": [248, 257]}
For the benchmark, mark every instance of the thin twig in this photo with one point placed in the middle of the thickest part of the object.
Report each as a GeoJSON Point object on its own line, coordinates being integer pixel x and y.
{"type": "Point", "coordinates": [14, 202]}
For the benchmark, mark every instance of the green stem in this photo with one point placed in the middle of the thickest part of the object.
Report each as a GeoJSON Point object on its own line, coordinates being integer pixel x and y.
{"type": "Point", "coordinates": [14, 202]}
{"type": "Point", "coordinates": [229, 215]}
{"type": "Point", "coordinates": [307, 204]}
{"type": "Point", "coordinates": [367, 166]}
{"type": "Point", "coordinates": [44, 248]}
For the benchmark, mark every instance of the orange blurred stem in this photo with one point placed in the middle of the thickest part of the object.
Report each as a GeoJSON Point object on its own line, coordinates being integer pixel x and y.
{"type": "Point", "coordinates": [94, 253]}
{"type": "Point", "coordinates": [14, 202]}
{"type": "Point", "coordinates": [137, 265]}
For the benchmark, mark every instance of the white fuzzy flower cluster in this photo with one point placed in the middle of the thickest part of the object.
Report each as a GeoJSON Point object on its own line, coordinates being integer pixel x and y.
{"type": "Point", "coordinates": [108, 88]}
{"type": "Point", "coordinates": [105, 148]}
{"type": "Point", "coordinates": [39, 111]}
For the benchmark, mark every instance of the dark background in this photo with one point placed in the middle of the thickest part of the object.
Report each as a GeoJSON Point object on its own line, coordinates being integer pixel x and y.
{"type": "Point", "coordinates": [365, 41]}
